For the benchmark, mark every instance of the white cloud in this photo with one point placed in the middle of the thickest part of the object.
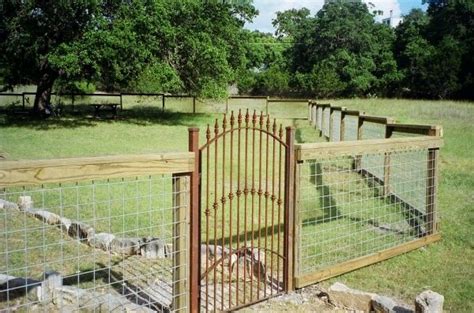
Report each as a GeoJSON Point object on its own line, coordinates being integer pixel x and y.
{"type": "Point", "coordinates": [268, 9]}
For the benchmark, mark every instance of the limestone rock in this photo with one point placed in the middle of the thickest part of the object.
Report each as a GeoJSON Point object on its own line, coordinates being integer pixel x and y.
{"type": "Point", "coordinates": [81, 231]}
{"type": "Point", "coordinates": [102, 241]}
{"type": "Point", "coordinates": [4, 204]}
{"type": "Point", "coordinates": [382, 304]}
{"type": "Point", "coordinates": [52, 280]}
{"type": "Point", "coordinates": [429, 302]}
{"type": "Point", "coordinates": [354, 299]}
{"type": "Point", "coordinates": [154, 248]}
{"type": "Point", "coordinates": [47, 217]}
{"type": "Point", "coordinates": [128, 246]}
{"type": "Point", "coordinates": [25, 203]}
{"type": "Point", "coordinates": [65, 224]}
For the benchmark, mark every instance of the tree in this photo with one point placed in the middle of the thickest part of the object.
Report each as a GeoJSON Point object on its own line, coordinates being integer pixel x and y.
{"type": "Point", "coordinates": [117, 43]}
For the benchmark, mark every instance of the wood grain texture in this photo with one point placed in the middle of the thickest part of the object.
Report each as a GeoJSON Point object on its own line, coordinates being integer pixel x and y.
{"type": "Point", "coordinates": [351, 265]}
{"type": "Point", "coordinates": [315, 150]}
{"type": "Point", "coordinates": [34, 172]}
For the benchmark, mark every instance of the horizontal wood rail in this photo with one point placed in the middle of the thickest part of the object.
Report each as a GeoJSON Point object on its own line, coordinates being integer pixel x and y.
{"type": "Point", "coordinates": [353, 112]}
{"type": "Point", "coordinates": [351, 265]}
{"type": "Point", "coordinates": [33, 172]}
{"type": "Point", "coordinates": [287, 100]}
{"type": "Point", "coordinates": [428, 130]}
{"type": "Point", "coordinates": [376, 119]}
{"type": "Point", "coordinates": [360, 147]}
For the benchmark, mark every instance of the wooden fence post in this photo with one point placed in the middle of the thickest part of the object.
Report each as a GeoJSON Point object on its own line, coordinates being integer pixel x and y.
{"type": "Point", "coordinates": [23, 100]}
{"type": "Point", "coordinates": [386, 164]}
{"type": "Point", "coordinates": [121, 102]}
{"type": "Point", "coordinates": [288, 269]}
{"type": "Point", "coordinates": [195, 234]}
{"type": "Point", "coordinates": [358, 158]}
{"type": "Point", "coordinates": [342, 129]}
{"type": "Point", "coordinates": [163, 102]}
{"type": "Point", "coordinates": [310, 113]}
{"type": "Point", "coordinates": [330, 130]}
{"type": "Point", "coordinates": [431, 190]}
{"type": "Point", "coordinates": [194, 104]}
{"type": "Point", "coordinates": [180, 236]}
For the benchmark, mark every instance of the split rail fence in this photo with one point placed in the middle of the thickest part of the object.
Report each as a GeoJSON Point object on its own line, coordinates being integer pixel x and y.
{"type": "Point", "coordinates": [246, 216]}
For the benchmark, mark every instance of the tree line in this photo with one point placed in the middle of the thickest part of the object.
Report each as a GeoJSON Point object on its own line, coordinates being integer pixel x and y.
{"type": "Point", "coordinates": [202, 47]}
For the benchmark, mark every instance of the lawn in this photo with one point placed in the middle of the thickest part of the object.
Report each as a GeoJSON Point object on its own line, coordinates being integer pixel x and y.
{"type": "Point", "coordinates": [445, 267]}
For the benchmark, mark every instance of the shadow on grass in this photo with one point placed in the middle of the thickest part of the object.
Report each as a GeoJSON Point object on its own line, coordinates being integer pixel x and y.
{"type": "Point", "coordinates": [83, 116]}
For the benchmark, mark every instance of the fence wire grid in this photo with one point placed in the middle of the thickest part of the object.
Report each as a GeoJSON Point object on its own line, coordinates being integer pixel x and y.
{"type": "Point", "coordinates": [94, 246]}
{"type": "Point", "coordinates": [348, 210]}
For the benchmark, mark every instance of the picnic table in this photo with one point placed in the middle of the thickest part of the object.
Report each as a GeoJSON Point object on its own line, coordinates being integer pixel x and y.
{"type": "Point", "coordinates": [112, 106]}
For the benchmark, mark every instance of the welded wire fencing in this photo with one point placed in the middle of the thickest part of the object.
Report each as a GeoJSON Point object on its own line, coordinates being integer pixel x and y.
{"type": "Point", "coordinates": [88, 242]}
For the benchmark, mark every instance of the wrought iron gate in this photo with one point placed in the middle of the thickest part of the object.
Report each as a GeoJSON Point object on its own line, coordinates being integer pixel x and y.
{"type": "Point", "coordinates": [244, 197]}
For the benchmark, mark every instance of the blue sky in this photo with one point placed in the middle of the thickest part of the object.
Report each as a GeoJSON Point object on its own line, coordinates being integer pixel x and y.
{"type": "Point", "coordinates": [268, 9]}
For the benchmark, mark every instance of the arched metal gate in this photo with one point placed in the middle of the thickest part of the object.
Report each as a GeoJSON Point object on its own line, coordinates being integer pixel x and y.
{"type": "Point", "coordinates": [245, 222]}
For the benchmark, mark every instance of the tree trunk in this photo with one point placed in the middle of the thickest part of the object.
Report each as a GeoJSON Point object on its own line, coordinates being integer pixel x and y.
{"type": "Point", "coordinates": [43, 90]}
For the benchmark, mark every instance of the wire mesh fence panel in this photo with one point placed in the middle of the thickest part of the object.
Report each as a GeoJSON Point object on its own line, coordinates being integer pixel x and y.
{"type": "Point", "coordinates": [344, 214]}
{"type": "Point", "coordinates": [319, 124]}
{"type": "Point", "coordinates": [350, 127]}
{"type": "Point", "coordinates": [335, 126]}
{"type": "Point", "coordinates": [326, 120]}
{"type": "Point", "coordinates": [94, 246]}
{"type": "Point", "coordinates": [373, 162]}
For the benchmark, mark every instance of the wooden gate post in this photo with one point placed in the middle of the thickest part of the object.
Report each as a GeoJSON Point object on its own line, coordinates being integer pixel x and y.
{"type": "Point", "coordinates": [288, 269]}
{"type": "Point", "coordinates": [195, 234]}
{"type": "Point", "coordinates": [180, 238]}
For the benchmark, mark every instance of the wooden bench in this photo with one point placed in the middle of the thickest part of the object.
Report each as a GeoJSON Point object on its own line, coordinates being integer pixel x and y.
{"type": "Point", "coordinates": [112, 106]}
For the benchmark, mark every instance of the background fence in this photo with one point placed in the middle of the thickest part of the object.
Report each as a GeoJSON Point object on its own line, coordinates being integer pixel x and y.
{"type": "Point", "coordinates": [95, 234]}
{"type": "Point", "coordinates": [21, 102]}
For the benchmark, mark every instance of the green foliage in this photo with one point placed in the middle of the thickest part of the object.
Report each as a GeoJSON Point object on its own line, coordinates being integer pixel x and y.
{"type": "Point", "coordinates": [158, 77]}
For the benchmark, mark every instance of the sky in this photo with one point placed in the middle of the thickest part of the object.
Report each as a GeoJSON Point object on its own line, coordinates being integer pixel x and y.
{"type": "Point", "coordinates": [268, 9]}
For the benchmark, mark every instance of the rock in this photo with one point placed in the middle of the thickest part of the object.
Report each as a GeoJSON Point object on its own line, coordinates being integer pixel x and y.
{"type": "Point", "coordinates": [12, 287]}
{"type": "Point", "coordinates": [102, 241]}
{"type": "Point", "coordinates": [4, 204]}
{"type": "Point", "coordinates": [354, 299]}
{"type": "Point", "coordinates": [154, 248]}
{"type": "Point", "coordinates": [52, 280]}
{"type": "Point", "coordinates": [25, 203]}
{"type": "Point", "coordinates": [382, 304]}
{"type": "Point", "coordinates": [429, 302]}
{"type": "Point", "coordinates": [82, 300]}
{"type": "Point", "coordinates": [128, 246]}
{"type": "Point", "coordinates": [65, 224]}
{"type": "Point", "coordinates": [47, 217]}
{"type": "Point", "coordinates": [81, 231]}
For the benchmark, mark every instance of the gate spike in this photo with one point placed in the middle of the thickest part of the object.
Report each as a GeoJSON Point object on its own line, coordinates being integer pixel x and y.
{"type": "Point", "coordinates": [232, 120]}
{"type": "Point", "coordinates": [254, 118]}
{"type": "Point", "coordinates": [247, 119]}
{"type": "Point", "coordinates": [261, 119]}
{"type": "Point", "coordinates": [216, 128]}
{"type": "Point", "coordinates": [208, 133]}
{"type": "Point", "coordinates": [274, 128]}
{"type": "Point", "coordinates": [224, 122]}
{"type": "Point", "coordinates": [239, 119]}
{"type": "Point", "coordinates": [268, 122]}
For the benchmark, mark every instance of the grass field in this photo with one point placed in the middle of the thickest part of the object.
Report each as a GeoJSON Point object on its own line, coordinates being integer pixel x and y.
{"type": "Point", "coordinates": [446, 267]}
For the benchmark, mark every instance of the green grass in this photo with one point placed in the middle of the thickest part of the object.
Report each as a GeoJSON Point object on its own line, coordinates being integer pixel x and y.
{"type": "Point", "coordinates": [445, 267]}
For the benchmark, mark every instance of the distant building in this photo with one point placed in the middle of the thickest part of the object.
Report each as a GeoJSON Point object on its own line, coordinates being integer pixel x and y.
{"type": "Point", "coordinates": [391, 20]}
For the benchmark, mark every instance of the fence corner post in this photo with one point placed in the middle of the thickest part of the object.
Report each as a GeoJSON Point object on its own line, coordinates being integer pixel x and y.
{"type": "Point", "coordinates": [288, 269]}
{"type": "Point", "coordinates": [180, 237]}
{"type": "Point", "coordinates": [195, 236]}
{"type": "Point", "coordinates": [387, 163]}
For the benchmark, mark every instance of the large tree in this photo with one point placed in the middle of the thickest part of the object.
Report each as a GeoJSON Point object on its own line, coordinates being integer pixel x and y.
{"type": "Point", "coordinates": [118, 43]}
